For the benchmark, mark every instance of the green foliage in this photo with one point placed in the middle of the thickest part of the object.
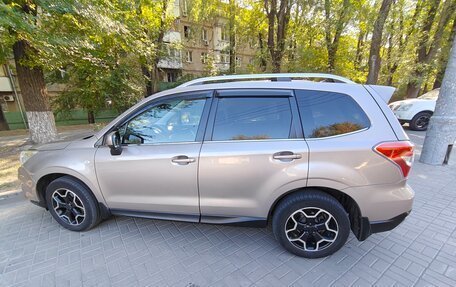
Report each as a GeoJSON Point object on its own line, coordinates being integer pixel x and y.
{"type": "Point", "coordinates": [93, 88]}
{"type": "Point", "coordinates": [103, 45]}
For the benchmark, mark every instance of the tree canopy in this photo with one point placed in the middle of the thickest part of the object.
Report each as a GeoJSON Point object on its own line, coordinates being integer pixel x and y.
{"type": "Point", "coordinates": [109, 49]}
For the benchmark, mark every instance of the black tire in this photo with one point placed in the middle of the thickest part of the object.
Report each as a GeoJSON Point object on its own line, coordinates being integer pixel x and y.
{"type": "Point", "coordinates": [311, 199]}
{"type": "Point", "coordinates": [420, 121]}
{"type": "Point", "coordinates": [85, 199]}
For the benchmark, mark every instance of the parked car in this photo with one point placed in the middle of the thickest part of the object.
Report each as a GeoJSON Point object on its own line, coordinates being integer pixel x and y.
{"type": "Point", "coordinates": [416, 112]}
{"type": "Point", "coordinates": [313, 159]}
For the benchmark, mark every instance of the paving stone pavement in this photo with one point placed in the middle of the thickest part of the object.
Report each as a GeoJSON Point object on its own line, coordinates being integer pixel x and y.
{"type": "Point", "coordinates": [123, 251]}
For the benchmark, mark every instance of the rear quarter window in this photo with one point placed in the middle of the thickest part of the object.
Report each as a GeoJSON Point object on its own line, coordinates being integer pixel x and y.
{"type": "Point", "coordinates": [325, 114]}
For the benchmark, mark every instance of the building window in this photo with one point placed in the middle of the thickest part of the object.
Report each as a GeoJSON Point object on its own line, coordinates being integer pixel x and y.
{"type": "Point", "coordinates": [252, 61]}
{"type": "Point", "coordinates": [204, 35]}
{"type": "Point", "coordinates": [171, 77]}
{"type": "Point", "coordinates": [187, 32]}
{"type": "Point", "coordinates": [225, 34]}
{"type": "Point", "coordinates": [238, 61]}
{"type": "Point", "coordinates": [225, 58]}
{"type": "Point", "coordinates": [189, 57]}
{"type": "Point", "coordinates": [204, 57]}
{"type": "Point", "coordinates": [184, 8]}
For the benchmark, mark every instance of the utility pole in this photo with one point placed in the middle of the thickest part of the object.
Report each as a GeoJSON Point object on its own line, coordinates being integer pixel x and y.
{"type": "Point", "coordinates": [441, 133]}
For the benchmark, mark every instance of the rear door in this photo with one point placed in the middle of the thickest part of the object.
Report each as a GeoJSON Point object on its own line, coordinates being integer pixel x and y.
{"type": "Point", "coordinates": [253, 151]}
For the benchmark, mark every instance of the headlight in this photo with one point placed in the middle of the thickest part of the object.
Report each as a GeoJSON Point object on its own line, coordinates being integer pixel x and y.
{"type": "Point", "coordinates": [405, 107]}
{"type": "Point", "coordinates": [26, 155]}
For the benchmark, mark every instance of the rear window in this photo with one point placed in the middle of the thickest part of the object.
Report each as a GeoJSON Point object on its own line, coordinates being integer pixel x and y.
{"type": "Point", "coordinates": [325, 114]}
{"type": "Point", "coordinates": [256, 118]}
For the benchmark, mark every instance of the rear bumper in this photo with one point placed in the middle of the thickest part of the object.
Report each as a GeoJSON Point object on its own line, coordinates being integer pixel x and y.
{"type": "Point", "coordinates": [368, 228]}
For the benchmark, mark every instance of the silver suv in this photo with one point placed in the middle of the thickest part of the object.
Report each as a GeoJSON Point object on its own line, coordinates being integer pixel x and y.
{"type": "Point", "coordinates": [315, 159]}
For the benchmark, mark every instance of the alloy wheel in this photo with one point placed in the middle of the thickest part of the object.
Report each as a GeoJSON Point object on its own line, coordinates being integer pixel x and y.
{"type": "Point", "coordinates": [68, 206]}
{"type": "Point", "coordinates": [311, 229]}
{"type": "Point", "coordinates": [422, 122]}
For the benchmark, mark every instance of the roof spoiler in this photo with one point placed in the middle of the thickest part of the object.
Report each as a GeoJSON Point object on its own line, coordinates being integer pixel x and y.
{"type": "Point", "coordinates": [385, 92]}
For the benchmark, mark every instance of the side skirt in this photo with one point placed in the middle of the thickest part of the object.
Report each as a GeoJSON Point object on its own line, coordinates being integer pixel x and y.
{"type": "Point", "coordinates": [157, 215]}
{"type": "Point", "coordinates": [235, 221]}
{"type": "Point", "coordinates": [232, 221]}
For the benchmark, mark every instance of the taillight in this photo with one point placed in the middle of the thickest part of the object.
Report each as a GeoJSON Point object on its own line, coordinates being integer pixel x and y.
{"type": "Point", "coordinates": [399, 152]}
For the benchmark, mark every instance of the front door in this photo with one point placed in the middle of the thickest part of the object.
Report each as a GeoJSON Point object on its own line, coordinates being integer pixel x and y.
{"type": "Point", "coordinates": [156, 173]}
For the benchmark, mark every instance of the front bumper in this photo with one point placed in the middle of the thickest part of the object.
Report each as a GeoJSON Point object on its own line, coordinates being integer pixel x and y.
{"type": "Point", "coordinates": [403, 116]}
{"type": "Point", "coordinates": [28, 186]}
{"type": "Point", "coordinates": [368, 228]}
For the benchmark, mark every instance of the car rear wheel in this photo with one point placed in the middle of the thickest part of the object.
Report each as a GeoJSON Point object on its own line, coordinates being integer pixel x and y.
{"type": "Point", "coordinates": [311, 224]}
{"type": "Point", "coordinates": [72, 204]}
{"type": "Point", "coordinates": [420, 121]}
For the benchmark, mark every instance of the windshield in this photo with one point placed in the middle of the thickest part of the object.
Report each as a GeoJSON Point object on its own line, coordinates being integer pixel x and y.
{"type": "Point", "coordinates": [432, 95]}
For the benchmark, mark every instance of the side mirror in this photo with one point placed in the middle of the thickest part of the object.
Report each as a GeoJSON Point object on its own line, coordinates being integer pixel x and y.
{"type": "Point", "coordinates": [114, 143]}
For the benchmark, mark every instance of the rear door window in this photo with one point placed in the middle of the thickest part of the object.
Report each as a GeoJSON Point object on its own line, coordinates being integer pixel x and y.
{"type": "Point", "coordinates": [325, 114]}
{"type": "Point", "coordinates": [252, 118]}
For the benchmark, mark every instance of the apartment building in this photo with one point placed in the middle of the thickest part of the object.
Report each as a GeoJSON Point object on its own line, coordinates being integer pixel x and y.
{"type": "Point", "coordinates": [201, 48]}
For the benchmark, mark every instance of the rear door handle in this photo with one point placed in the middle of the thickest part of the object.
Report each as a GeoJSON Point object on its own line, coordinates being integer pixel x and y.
{"type": "Point", "coordinates": [286, 155]}
{"type": "Point", "coordinates": [182, 159]}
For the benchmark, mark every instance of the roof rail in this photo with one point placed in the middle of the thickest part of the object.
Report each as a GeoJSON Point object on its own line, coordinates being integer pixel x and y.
{"type": "Point", "coordinates": [272, 77]}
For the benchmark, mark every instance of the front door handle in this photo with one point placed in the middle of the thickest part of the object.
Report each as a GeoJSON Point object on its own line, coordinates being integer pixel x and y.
{"type": "Point", "coordinates": [286, 156]}
{"type": "Point", "coordinates": [182, 159]}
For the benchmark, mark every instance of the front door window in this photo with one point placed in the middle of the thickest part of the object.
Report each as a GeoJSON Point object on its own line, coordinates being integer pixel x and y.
{"type": "Point", "coordinates": [171, 121]}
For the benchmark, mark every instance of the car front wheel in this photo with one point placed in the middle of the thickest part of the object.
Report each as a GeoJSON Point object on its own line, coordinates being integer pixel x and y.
{"type": "Point", "coordinates": [420, 121]}
{"type": "Point", "coordinates": [72, 204]}
{"type": "Point", "coordinates": [311, 224]}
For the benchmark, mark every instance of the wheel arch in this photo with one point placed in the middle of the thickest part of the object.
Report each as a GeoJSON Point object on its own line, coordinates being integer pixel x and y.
{"type": "Point", "coordinates": [347, 202]}
{"type": "Point", "coordinates": [423, 111]}
{"type": "Point", "coordinates": [46, 179]}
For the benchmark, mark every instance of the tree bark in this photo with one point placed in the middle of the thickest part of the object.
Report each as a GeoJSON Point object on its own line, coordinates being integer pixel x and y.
{"type": "Point", "coordinates": [441, 134]}
{"type": "Point", "coordinates": [393, 64]}
{"type": "Point", "coordinates": [232, 9]}
{"type": "Point", "coordinates": [91, 117]}
{"type": "Point", "coordinates": [374, 54]}
{"type": "Point", "coordinates": [150, 70]}
{"type": "Point", "coordinates": [444, 60]}
{"type": "Point", "coordinates": [263, 62]}
{"type": "Point", "coordinates": [3, 124]}
{"type": "Point", "coordinates": [34, 94]}
{"type": "Point", "coordinates": [332, 42]}
{"type": "Point", "coordinates": [426, 51]}
{"type": "Point", "coordinates": [278, 14]}
{"type": "Point", "coordinates": [359, 48]}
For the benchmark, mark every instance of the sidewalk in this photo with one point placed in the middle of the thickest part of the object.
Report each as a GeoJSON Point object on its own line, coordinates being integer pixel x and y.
{"type": "Point", "coordinates": [124, 251]}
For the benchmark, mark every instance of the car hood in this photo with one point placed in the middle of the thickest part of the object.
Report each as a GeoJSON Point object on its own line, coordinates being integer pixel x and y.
{"type": "Point", "coordinates": [62, 144]}
{"type": "Point", "coordinates": [411, 101]}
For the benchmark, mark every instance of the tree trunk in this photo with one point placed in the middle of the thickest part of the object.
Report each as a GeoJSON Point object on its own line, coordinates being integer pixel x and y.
{"type": "Point", "coordinates": [444, 60]}
{"type": "Point", "coordinates": [374, 54]}
{"type": "Point", "coordinates": [3, 123]}
{"type": "Point", "coordinates": [332, 42]}
{"type": "Point", "coordinates": [427, 48]}
{"type": "Point", "coordinates": [441, 134]}
{"type": "Point", "coordinates": [147, 80]}
{"type": "Point", "coordinates": [278, 14]}
{"type": "Point", "coordinates": [359, 48]}
{"type": "Point", "coordinates": [151, 75]}
{"type": "Point", "coordinates": [91, 117]}
{"type": "Point", "coordinates": [263, 62]}
{"type": "Point", "coordinates": [232, 8]}
{"type": "Point", "coordinates": [155, 79]}
{"type": "Point", "coordinates": [34, 94]}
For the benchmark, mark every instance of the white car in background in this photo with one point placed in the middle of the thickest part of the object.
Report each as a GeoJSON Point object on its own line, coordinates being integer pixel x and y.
{"type": "Point", "coordinates": [416, 112]}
